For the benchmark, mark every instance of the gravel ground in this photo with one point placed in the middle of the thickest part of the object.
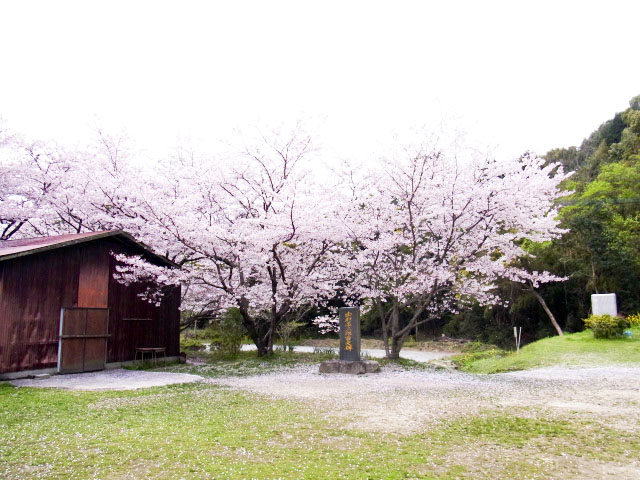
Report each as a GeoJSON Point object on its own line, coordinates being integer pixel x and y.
{"type": "Point", "coordinates": [117, 379]}
{"type": "Point", "coordinates": [408, 401]}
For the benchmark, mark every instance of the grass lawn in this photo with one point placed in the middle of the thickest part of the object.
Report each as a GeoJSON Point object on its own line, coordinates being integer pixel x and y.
{"type": "Point", "coordinates": [203, 431]}
{"type": "Point", "coordinates": [576, 349]}
{"type": "Point", "coordinates": [246, 363]}
{"type": "Point", "coordinates": [197, 431]}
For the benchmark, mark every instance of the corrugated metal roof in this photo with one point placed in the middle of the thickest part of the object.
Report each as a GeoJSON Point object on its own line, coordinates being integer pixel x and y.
{"type": "Point", "coordinates": [27, 246]}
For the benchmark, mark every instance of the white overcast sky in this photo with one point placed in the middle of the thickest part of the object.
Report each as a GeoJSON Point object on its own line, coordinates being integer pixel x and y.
{"type": "Point", "coordinates": [516, 75]}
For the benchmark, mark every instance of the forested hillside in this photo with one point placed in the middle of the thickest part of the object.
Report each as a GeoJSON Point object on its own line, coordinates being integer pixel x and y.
{"type": "Point", "coordinates": [601, 251]}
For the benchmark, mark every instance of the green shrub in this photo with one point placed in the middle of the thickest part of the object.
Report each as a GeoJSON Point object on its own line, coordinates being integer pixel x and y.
{"type": "Point", "coordinates": [285, 331]}
{"type": "Point", "coordinates": [410, 342]}
{"type": "Point", "coordinates": [191, 343]}
{"type": "Point", "coordinates": [227, 333]}
{"type": "Point", "coordinates": [606, 326]}
{"type": "Point", "coordinates": [634, 320]}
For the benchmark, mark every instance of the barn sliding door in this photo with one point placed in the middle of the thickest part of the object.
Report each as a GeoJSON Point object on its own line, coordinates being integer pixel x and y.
{"type": "Point", "coordinates": [83, 339]}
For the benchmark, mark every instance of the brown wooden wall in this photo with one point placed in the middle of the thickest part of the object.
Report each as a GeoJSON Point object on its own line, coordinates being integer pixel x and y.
{"type": "Point", "coordinates": [32, 291]}
{"type": "Point", "coordinates": [134, 322]}
{"type": "Point", "coordinates": [34, 288]}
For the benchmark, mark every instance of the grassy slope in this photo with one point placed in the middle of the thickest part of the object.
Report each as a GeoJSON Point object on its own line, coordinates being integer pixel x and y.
{"type": "Point", "coordinates": [577, 349]}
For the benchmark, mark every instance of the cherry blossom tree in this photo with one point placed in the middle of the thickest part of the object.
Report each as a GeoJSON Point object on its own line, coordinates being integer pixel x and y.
{"type": "Point", "coordinates": [16, 206]}
{"type": "Point", "coordinates": [251, 230]}
{"type": "Point", "coordinates": [48, 190]}
{"type": "Point", "coordinates": [432, 230]}
{"type": "Point", "coordinates": [248, 226]}
{"type": "Point", "coordinates": [29, 175]}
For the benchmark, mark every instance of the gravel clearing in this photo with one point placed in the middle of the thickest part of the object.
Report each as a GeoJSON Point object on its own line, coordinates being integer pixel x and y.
{"type": "Point", "coordinates": [117, 379]}
{"type": "Point", "coordinates": [409, 401]}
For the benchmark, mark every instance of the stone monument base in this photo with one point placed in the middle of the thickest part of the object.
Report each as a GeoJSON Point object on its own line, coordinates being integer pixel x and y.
{"type": "Point", "coordinates": [352, 367]}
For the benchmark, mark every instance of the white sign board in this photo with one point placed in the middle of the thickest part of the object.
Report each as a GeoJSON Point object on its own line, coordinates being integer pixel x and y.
{"type": "Point", "coordinates": [604, 304]}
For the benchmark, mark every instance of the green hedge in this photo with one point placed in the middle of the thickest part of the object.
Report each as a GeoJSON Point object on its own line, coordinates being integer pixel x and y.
{"type": "Point", "coordinates": [606, 326]}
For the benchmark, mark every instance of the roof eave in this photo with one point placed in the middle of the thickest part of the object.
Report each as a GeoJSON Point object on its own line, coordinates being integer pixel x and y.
{"type": "Point", "coordinates": [97, 236]}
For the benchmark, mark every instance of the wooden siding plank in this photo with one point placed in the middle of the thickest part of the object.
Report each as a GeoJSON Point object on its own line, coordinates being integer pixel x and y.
{"type": "Point", "coordinates": [33, 290]}
{"type": "Point", "coordinates": [93, 277]}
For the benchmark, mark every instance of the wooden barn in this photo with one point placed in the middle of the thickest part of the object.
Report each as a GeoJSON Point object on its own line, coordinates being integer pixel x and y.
{"type": "Point", "coordinates": [62, 310]}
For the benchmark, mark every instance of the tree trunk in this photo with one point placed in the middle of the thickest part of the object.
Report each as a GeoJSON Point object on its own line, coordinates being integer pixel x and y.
{"type": "Point", "coordinates": [396, 341]}
{"type": "Point", "coordinates": [266, 340]}
{"type": "Point", "coordinates": [396, 346]}
{"type": "Point", "coordinates": [546, 309]}
{"type": "Point", "coordinates": [262, 338]}
{"type": "Point", "coordinates": [262, 341]}
{"type": "Point", "coordinates": [263, 348]}
{"type": "Point", "coordinates": [383, 322]}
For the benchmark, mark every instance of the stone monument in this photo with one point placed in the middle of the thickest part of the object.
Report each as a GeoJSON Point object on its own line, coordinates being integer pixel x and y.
{"type": "Point", "coordinates": [350, 361]}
